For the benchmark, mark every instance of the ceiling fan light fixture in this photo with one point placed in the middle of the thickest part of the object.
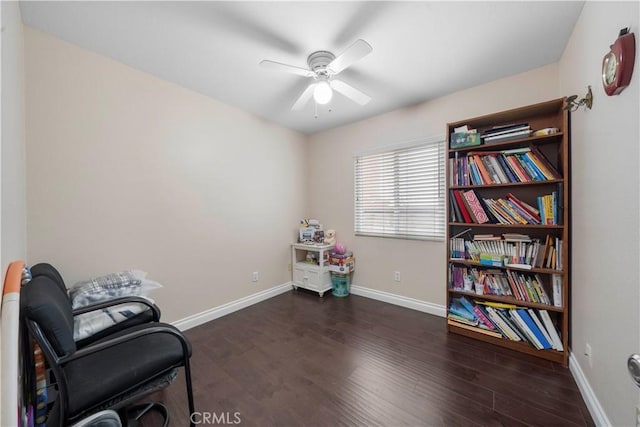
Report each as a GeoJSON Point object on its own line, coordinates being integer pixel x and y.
{"type": "Point", "coordinates": [322, 93]}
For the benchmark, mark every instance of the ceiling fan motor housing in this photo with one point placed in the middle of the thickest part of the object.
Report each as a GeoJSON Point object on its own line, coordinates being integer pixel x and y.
{"type": "Point", "coordinates": [318, 62]}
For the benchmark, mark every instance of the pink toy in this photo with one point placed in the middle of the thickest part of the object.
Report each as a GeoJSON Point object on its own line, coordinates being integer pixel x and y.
{"type": "Point", "coordinates": [340, 248]}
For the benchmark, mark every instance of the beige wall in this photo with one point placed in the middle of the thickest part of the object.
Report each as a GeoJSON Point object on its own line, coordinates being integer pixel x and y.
{"type": "Point", "coordinates": [125, 170]}
{"type": "Point", "coordinates": [13, 216]}
{"type": "Point", "coordinates": [605, 193]}
{"type": "Point", "coordinates": [421, 263]}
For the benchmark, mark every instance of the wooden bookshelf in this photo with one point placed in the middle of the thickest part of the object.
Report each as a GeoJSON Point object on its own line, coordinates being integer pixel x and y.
{"type": "Point", "coordinates": [556, 151]}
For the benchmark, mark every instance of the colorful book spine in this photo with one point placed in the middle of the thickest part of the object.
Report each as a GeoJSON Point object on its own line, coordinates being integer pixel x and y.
{"type": "Point", "coordinates": [476, 207]}
{"type": "Point", "coordinates": [483, 318]}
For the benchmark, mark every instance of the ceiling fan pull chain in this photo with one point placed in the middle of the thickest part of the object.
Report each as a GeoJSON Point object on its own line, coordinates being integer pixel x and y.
{"type": "Point", "coordinates": [316, 107]}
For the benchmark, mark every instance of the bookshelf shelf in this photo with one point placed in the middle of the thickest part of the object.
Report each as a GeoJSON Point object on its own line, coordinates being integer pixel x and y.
{"type": "Point", "coordinates": [552, 355]}
{"type": "Point", "coordinates": [523, 179]}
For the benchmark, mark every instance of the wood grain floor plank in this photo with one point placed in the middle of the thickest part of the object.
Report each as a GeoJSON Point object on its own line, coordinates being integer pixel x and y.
{"type": "Point", "coordinates": [298, 360]}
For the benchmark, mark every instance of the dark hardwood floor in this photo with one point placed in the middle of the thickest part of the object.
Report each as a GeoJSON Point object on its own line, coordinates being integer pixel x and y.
{"type": "Point", "coordinates": [298, 359]}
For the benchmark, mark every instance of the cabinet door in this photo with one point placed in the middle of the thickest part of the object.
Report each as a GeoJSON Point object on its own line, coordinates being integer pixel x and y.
{"type": "Point", "coordinates": [299, 275]}
{"type": "Point", "coordinates": [319, 280]}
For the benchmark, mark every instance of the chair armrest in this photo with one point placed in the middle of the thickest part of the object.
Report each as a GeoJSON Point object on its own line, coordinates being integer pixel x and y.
{"type": "Point", "coordinates": [118, 301]}
{"type": "Point", "coordinates": [147, 329]}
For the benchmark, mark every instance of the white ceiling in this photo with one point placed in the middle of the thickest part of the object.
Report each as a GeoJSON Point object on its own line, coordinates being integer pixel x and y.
{"type": "Point", "coordinates": [421, 50]}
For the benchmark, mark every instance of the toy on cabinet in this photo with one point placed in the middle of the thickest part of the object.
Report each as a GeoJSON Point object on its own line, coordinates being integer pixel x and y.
{"type": "Point", "coordinates": [329, 237]}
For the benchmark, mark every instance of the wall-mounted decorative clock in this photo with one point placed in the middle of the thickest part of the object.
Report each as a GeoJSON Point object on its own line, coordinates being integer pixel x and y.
{"type": "Point", "coordinates": [617, 65]}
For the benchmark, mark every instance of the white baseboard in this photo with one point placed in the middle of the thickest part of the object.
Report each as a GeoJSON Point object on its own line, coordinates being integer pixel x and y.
{"type": "Point", "coordinates": [224, 309]}
{"type": "Point", "coordinates": [593, 404]}
{"type": "Point", "coordinates": [412, 303]}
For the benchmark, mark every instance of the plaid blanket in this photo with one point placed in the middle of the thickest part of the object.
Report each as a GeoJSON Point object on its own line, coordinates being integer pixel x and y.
{"type": "Point", "coordinates": [113, 285]}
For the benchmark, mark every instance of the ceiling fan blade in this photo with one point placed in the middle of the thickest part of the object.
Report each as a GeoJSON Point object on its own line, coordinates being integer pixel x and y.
{"type": "Point", "coordinates": [349, 91]}
{"type": "Point", "coordinates": [304, 98]}
{"type": "Point", "coordinates": [272, 65]}
{"type": "Point", "coordinates": [355, 52]}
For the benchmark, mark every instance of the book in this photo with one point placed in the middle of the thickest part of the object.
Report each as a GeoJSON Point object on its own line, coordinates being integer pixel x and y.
{"type": "Point", "coordinates": [538, 323]}
{"type": "Point", "coordinates": [496, 304]}
{"type": "Point", "coordinates": [556, 282]}
{"type": "Point", "coordinates": [524, 314]}
{"type": "Point", "coordinates": [504, 314]}
{"type": "Point", "coordinates": [488, 332]}
{"type": "Point", "coordinates": [551, 330]}
{"type": "Point", "coordinates": [461, 319]}
{"type": "Point", "coordinates": [476, 178]}
{"type": "Point", "coordinates": [560, 204]}
{"type": "Point", "coordinates": [467, 207]}
{"type": "Point", "coordinates": [542, 253]}
{"type": "Point", "coordinates": [484, 173]}
{"type": "Point", "coordinates": [461, 206]}
{"type": "Point", "coordinates": [511, 176]}
{"type": "Point", "coordinates": [529, 168]}
{"type": "Point", "coordinates": [539, 287]}
{"type": "Point", "coordinates": [483, 318]}
{"type": "Point", "coordinates": [524, 329]}
{"type": "Point", "coordinates": [502, 325]}
{"type": "Point", "coordinates": [493, 175]}
{"type": "Point", "coordinates": [485, 237]}
{"type": "Point", "coordinates": [456, 308]}
{"type": "Point", "coordinates": [517, 169]}
{"type": "Point", "coordinates": [510, 131]}
{"type": "Point", "coordinates": [546, 131]}
{"type": "Point", "coordinates": [501, 129]}
{"type": "Point", "coordinates": [522, 266]}
{"type": "Point", "coordinates": [527, 209]}
{"type": "Point", "coordinates": [476, 208]}
{"type": "Point", "coordinates": [497, 167]}
{"type": "Point", "coordinates": [508, 136]}
{"type": "Point", "coordinates": [516, 237]}
{"type": "Point", "coordinates": [456, 216]}
{"type": "Point", "coordinates": [512, 212]}
{"type": "Point", "coordinates": [545, 162]}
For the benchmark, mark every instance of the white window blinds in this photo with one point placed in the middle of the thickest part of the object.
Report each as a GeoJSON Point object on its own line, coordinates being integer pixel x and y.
{"type": "Point", "coordinates": [400, 193]}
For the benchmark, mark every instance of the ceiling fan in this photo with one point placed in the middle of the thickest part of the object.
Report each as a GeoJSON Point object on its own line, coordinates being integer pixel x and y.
{"type": "Point", "coordinates": [323, 66]}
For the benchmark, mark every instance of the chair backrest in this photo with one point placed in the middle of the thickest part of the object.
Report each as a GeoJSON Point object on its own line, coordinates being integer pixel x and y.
{"type": "Point", "coordinates": [44, 302]}
{"type": "Point", "coordinates": [48, 270]}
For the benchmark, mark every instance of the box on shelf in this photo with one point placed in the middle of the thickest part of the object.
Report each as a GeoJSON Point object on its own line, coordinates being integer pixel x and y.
{"type": "Point", "coordinates": [342, 265]}
{"type": "Point", "coordinates": [464, 139]}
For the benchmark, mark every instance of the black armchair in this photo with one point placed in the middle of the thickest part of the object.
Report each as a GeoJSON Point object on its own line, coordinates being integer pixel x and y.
{"type": "Point", "coordinates": [109, 373]}
{"type": "Point", "coordinates": [151, 314]}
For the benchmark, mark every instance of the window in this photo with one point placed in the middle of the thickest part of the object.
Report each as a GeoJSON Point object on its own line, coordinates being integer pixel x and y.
{"type": "Point", "coordinates": [400, 192]}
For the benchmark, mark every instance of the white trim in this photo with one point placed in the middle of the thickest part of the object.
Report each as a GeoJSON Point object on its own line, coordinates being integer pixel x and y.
{"type": "Point", "coordinates": [228, 308]}
{"type": "Point", "coordinates": [593, 404]}
{"type": "Point", "coordinates": [412, 303]}
{"type": "Point", "coordinates": [401, 145]}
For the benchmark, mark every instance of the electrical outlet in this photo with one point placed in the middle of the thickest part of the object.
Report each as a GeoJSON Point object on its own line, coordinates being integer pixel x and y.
{"type": "Point", "coordinates": [396, 276]}
{"type": "Point", "coordinates": [254, 276]}
{"type": "Point", "coordinates": [289, 267]}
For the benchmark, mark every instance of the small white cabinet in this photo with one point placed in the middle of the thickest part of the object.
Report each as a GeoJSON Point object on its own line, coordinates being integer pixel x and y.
{"type": "Point", "coordinates": [314, 276]}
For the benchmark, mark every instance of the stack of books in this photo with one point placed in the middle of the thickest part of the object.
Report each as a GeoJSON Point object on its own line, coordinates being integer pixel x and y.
{"type": "Point", "coordinates": [506, 321]}
{"type": "Point", "coordinates": [506, 132]}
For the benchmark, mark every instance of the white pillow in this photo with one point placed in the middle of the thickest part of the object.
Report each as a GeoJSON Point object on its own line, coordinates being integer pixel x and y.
{"type": "Point", "coordinates": [110, 286]}
{"type": "Point", "coordinates": [87, 324]}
